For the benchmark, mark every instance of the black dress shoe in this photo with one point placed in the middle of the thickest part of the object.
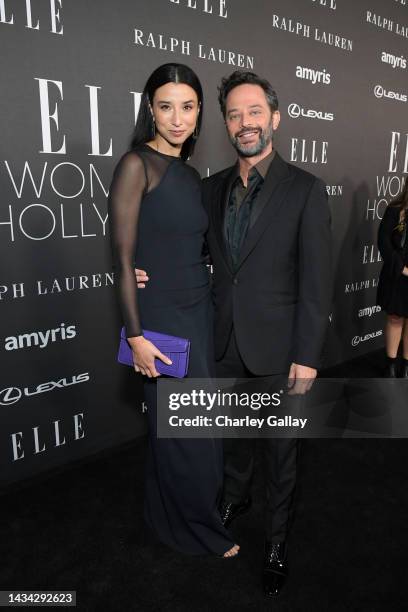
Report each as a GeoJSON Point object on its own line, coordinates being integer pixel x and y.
{"type": "Point", "coordinates": [404, 371]}
{"type": "Point", "coordinates": [275, 569]}
{"type": "Point", "coordinates": [391, 370]}
{"type": "Point", "coordinates": [229, 511]}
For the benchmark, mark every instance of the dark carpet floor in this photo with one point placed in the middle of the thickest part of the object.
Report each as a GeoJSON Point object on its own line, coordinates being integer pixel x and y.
{"type": "Point", "coordinates": [84, 531]}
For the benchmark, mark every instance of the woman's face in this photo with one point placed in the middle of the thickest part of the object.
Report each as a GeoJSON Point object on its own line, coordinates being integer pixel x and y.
{"type": "Point", "coordinates": [175, 109]}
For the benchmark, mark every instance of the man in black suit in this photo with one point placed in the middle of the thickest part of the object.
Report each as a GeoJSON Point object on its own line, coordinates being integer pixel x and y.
{"type": "Point", "coordinates": [270, 245]}
{"type": "Point", "coordinates": [269, 240]}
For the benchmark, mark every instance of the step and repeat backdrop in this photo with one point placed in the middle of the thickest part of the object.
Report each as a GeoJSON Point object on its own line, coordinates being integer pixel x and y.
{"type": "Point", "coordinates": [71, 78]}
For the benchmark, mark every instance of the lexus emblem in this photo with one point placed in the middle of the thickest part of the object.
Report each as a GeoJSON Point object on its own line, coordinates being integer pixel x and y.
{"type": "Point", "coordinates": [294, 110]}
{"type": "Point", "coordinates": [9, 396]}
{"type": "Point", "coordinates": [378, 91]}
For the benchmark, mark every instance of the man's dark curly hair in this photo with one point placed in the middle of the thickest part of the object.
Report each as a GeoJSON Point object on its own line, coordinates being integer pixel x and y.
{"type": "Point", "coordinates": [241, 77]}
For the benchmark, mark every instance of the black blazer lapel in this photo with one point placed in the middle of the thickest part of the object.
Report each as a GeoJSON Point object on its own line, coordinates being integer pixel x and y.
{"type": "Point", "coordinates": [218, 208]}
{"type": "Point", "coordinates": [267, 204]}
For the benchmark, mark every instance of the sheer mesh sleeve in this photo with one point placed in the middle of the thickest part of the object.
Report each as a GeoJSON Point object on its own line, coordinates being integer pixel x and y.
{"type": "Point", "coordinates": [125, 195]}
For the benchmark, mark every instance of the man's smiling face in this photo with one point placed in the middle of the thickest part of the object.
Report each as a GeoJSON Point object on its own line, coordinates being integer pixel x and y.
{"type": "Point", "coordinates": [249, 119]}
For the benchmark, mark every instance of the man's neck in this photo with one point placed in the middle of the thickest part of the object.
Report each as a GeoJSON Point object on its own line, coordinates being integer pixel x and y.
{"type": "Point", "coordinates": [246, 163]}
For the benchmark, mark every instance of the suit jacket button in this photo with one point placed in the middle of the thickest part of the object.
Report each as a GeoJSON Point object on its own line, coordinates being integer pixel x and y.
{"type": "Point", "coordinates": [235, 281]}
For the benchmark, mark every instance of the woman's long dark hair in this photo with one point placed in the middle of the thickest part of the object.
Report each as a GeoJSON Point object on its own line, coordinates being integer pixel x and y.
{"type": "Point", "coordinates": [167, 73]}
{"type": "Point", "coordinates": [402, 199]}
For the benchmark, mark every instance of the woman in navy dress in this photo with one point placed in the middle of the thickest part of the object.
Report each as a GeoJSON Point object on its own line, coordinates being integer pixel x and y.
{"type": "Point", "coordinates": [157, 219]}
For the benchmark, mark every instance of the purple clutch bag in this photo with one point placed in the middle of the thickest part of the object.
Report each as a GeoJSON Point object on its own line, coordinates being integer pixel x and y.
{"type": "Point", "coordinates": [176, 349]}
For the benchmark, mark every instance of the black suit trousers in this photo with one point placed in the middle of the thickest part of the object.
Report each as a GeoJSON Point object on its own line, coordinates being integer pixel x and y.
{"type": "Point", "coordinates": [279, 457]}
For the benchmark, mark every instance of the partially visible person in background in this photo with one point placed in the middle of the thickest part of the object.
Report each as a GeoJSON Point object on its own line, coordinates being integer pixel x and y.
{"type": "Point", "coordinates": [392, 294]}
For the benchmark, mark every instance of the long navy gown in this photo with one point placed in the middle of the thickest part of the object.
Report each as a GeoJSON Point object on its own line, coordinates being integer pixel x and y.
{"type": "Point", "coordinates": [158, 222]}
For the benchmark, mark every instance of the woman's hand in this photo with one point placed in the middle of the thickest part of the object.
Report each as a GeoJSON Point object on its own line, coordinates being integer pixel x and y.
{"type": "Point", "coordinates": [144, 354]}
{"type": "Point", "coordinates": [405, 271]}
{"type": "Point", "coordinates": [141, 278]}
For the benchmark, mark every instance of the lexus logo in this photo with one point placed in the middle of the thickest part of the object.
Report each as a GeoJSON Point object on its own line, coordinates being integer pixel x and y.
{"type": "Point", "coordinates": [295, 111]}
{"type": "Point", "coordinates": [9, 396]}
{"type": "Point", "coordinates": [357, 339]}
{"type": "Point", "coordinates": [379, 91]}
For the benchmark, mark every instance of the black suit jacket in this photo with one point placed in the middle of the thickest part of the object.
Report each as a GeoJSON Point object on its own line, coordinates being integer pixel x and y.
{"type": "Point", "coordinates": [279, 297]}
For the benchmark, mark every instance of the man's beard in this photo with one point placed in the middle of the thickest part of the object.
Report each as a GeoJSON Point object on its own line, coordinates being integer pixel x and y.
{"type": "Point", "coordinates": [265, 138]}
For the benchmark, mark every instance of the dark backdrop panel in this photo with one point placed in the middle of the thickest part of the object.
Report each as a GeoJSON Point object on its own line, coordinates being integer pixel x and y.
{"type": "Point", "coordinates": [69, 95]}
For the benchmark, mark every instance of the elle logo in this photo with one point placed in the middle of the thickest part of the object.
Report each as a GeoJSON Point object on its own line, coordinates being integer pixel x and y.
{"type": "Point", "coordinates": [331, 4]}
{"type": "Point", "coordinates": [206, 6]}
{"type": "Point", "coordinates": [48, 91]}
{"type": "Point", "coordinates": [42, 440]}
{"type": "Point", "coordinates": [314, 153]}
{"type": "Point", "coordinates": [371, 254]}
{"type": "Point", "coordinates": [398, 160]}
{"type": "Point", "coordinates": [55, 5]}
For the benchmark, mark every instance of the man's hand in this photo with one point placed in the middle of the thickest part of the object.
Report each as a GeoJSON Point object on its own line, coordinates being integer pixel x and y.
{"type": "Point", "coordinates": [405, 271]}
{"type": "Point", "coordinates": [300, 379]}
{"type": "Point", "coordinates": [141, 278]}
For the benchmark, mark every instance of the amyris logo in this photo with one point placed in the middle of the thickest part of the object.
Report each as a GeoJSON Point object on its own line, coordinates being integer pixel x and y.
{"type": "Point", "coordinates": [396, 61]}
{"type": "Point", "coordinates": [40, 338]}
{"type": "Point", "coordinates": [315, 76]}
{"type": "Point", "coordinates": [369, 311]}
